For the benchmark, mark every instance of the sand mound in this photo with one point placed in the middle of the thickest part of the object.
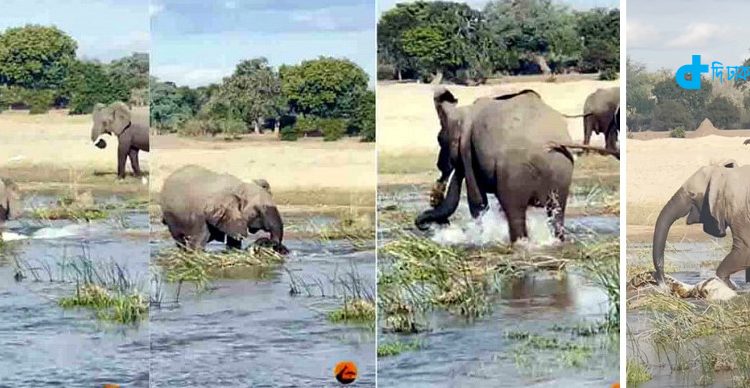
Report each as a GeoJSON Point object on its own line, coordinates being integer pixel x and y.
{"type": "Point", "coordinates": [706, 128]}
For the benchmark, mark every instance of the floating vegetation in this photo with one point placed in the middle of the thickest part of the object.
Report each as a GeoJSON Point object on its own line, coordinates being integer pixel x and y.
{"type": "Point", "coordinates": [359, 230]}
{"type": "Point", "coordinates": [569, 353]}
{"type": "Point", "coordinates": [637, 372]}
{"type": "Point", "coordinates": [181, 265]}
{"type": "Point", "coordinates": [74, 213]}
{"type": "Point", "coordinates": [395, 348]}
{"type": "Point", "coordinates": [104, 287]}
{"type": "Point", "coordinates": [354, 311]}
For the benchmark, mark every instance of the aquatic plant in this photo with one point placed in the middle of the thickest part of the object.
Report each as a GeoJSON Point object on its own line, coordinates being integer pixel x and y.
{"type": "Point", "coordinates": [395, 348]}
{"type": "Point", "coordinates": [74, 213]}
{"type": "Point", "coordinates": [358, 229]}
{"type": "Point", "coordinates": [354, 311]}
{"type": "Point", "coordinates": [109, 305]}
{"type": "Point", "coordinates": [637, 372]}
{"type": "Point", "coordinates": [606, 275]}
{"type": "Point", "coordinates": [568, 353]}
{"type": "Point", "coordinates": [199, 267]}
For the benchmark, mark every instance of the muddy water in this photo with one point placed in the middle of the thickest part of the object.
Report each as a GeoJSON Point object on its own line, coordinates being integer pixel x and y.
{"type": "Point", "coordinates": [249, 330]}
{"type": "Point", "coordinates": [695, 261]}
{"type": "Point", "coordinates": [43, 345]}
{"type": "Point", "coordinates": [455, 352]}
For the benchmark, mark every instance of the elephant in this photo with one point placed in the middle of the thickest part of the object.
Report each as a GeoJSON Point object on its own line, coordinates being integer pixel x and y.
{"type": "Point", "coordinates": [601, 114]}
{"type": "Point", "coordinates": [717, 196]}
{"type": "Point", "coordinates": [131, 131]}
{"type": "Point", "coordinates": [500, 145]}
{"type": "Point", "coordinates": [199, 205]}
{"type": "Point", "coordinates": [10, 202]}
{"type": "Point", "coordinates": [746, 142]}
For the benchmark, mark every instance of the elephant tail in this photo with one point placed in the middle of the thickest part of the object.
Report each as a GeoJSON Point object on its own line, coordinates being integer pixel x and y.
{"type": "Point", "coordinates": [576, 116]}
{"type": "Point", "coordinates": [564, 149]}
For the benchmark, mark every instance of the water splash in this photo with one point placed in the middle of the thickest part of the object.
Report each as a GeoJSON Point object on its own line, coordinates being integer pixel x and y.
{"type": "Point", "coordinates": [492, 228]}
{"type": "Point", "coordinates": [46, 233]}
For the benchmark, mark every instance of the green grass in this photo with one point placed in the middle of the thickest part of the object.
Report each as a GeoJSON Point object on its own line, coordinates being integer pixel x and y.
{"type": "Point", "coordinates": [200, 267]}
{"type": "Point", "coordinates": [568, 353]}
{"type": "Point", "coordinates": [395, 348]}
{"type": "Point", "coordinates": [74, 213]}
{"type": "Point", "coordinates": [606, 275]}
{"type": "Point", "coordinates": [637, 373]}
{"type": "Point", "coordinates": [108, 305]}
{"type": "Point", "coordinates": [357, 311]}
{"type": "Point", "coordinates": [358, 229]}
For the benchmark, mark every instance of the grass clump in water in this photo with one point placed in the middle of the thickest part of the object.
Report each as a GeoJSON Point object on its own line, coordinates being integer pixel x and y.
{"type": "Point", "coordinates": [109, 305]}
{"type": "Point", "coordinates": [78, 214]}
{"type": "Point", "coordinates": [358, 311]}
{"type": "Point", "coordinates": [568, 353]}
{"type": "Point", "coordinates": [395, 348]}
{"type": "Point", "coordinates": [637, 372]}
{"type": "Point", "coordinates": [182, 265]}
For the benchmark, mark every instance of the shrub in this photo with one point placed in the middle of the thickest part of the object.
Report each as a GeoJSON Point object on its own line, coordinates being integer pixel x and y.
{"type": "Point", "coordinates": [671, 114]}
{"type": "Point", "coordinates": [199, 127]}
{"type": "Point", "coordinates": [678, 132]}
{"type": "Point", "coordinates": [40, 101]}
{"type": "Point", "coordinates": [307, 124]}
{"type": "Point", "coordinates": [386, 72]}
{"type": "Point", "coordinates": [288, 133]}
{"type": "Point", "coordinates": [723, 113]}
{"type": "Point", "coordinates": [608, 74]}
{"type": "Point", "coordinates": [231, 128]}
{"type": "Point", "coordinates": [333, 129]}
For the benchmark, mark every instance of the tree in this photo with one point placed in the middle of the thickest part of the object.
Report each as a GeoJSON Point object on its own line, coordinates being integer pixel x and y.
{"type": "Point", "coordinates": [429, 47]}
{"type": "Point", "coordinates": [133, 70]}
{"type": "Point", "coordinates": [89, 83]}
{"type": "Point", "coordinates": [363, 118]}
{"type": "Point", "coordinates": [639, 97]}
{"type": "Point", "coordinates": [723, 113]}
{"type": "Point", "coordinates": [35, 57]}
{"type": "Point", "coordinates": [252, 94]}
{"type": "Point", "coordinates": [693, 100]}
{"type": "Point", "coordinates": [599, 30]}
{"type": "Point", "coordinates": [669, 115]}
{"type": "Point", "coordinates": [168, 110]}
{"type": "Point", "coordinates": [324, 87]}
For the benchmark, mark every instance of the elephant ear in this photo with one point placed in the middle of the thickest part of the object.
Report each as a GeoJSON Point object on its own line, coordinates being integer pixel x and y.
{"type": "Point", "coordinates": [226, 211]}
{"type": "Point", "coordinates": [121, 117]}
{"type": "Point", "coordinates": [263, 184]}
{"type": "Point", "coordinates": [715, 204]}
{"type": "Point", "coordinates": [10, 201]}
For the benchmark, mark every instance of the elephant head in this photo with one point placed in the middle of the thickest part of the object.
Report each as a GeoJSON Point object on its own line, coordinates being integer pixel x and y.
{"type": "Point", "coordinates": [701, 199]}
{"type": "Point", "coordinates": [246, 207]}
{"type": "Point", "coordinates": [111, 119]}
{"type": "Point", "coordinates": [10, 201]}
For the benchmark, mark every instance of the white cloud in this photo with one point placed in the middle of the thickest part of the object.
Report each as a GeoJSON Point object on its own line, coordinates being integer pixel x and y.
{"type": "Point", "coordinates": [193, 77]}
{"type": "Point", "coordinates": [641, 34]}
{"type": "Point", "coordinates": [230, 4]}
{"type": "Point", "coordinates": [320, 19]}
{"type": "Point", "coordinates": [697, 35]}
{"type": "Point", "coordinates": [154, 9]}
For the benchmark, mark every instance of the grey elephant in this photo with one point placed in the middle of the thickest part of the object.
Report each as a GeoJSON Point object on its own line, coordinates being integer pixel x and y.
{"type": "Point", "coordinates": [504, 145]}
{"type": "Point", "coordinates": [199, 205]}
{"type": "Point", "coordinates": [10, 202]}
{"type": "Point", "coordinates": [131, 131]}
{"type": "Point", "coordinates": [746, 142]}
{"type": "Point", "coordinates": [717, 196]}
{"type": "Point", "coordinates": [601, 114]}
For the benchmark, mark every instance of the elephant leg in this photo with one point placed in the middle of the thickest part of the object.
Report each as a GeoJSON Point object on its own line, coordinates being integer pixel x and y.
{"type": "Point", "coordinates": [134, 162]}
{"type": "Point", "coordinates": [122, 155]}
{"type": "Point", "coordinates": [735, 261]}
{"type": "Point", "coordinates": [516, 216]}
{"type": "Point", "coordinates": [197, 237]}
{"type": "Point", "coordinates": [610, 138]}
{"type": "Point", "coordinates": [476, 209]}
{"type": "Point", "coordinates": [587, 128]}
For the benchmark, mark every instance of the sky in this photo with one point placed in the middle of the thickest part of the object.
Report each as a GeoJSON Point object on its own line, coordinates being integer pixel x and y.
{"type": "Point", "coordinates": [105, 29]}
{"type": "Point", "coordinates": [384, 5]}
{"type": "Point", "coordinates": [197, 42]}
{"type": "Point", "coordinates": [717, 30]}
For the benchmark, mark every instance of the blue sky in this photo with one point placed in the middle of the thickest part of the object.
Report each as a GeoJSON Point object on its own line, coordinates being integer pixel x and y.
{"type": "Point", "coordinates": [384, 5]}
{"type": "Point", "coordinates": [104, 29]}
{"type": "Point", "coordinates": [716, 30]}
{"type": "Point", "coordinates": [196, 42]}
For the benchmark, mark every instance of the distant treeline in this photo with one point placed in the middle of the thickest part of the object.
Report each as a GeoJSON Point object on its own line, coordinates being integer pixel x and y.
{"type": "Point", "coordinates": [39, 70]}
{"type": "Point", "coordinates": [321, 97]}
{"type": "Point", "coordinates": [656, 102]}
{"type": "Point", "coordinates": [436, 40]}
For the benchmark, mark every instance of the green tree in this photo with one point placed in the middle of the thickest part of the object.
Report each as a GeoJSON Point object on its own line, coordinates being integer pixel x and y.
{"type": "Point", "coordinates": [723, 113]}
{"type": "Point", "coordinates": [599, 30]}
{"type": "Point", "coordinates": [89, 83]}
{"type": "Point", "coordinates": [640, 100]}
{"type": "Point", "coordinates": [133, 70]}
{"type": "Point", "coordinates": [324, 87]}
{"type": "Point", "coordinates": [252, 94]}
{"type": "Point", "coordinates": [35, 57]}
{"type": "Point", "coordinates": [669, 115]}
{"type": "Point", "coordinates": [363, 118]}
{"type": "Point", "coordinates": [168, 110]}
{"type": "Point", "coordinates": [693, 100]}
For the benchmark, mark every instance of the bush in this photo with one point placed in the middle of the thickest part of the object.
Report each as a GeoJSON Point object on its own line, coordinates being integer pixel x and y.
{"type": "Point", "coordinates": [333, 129]}
{"type": "Point", "coordinates": [200, 127]}
{"type": "Point", "coordinates": [231, 128]}
{"type": "Point", "coordinates": [40, 101]}
{"type": "Point", "coordinates": [288, 133]}
{"type": "Point", "coordinates": [678, 133]}
{"type": "Point", "coordinates": [723, 113]}
{"type": "Point", "coordinates": [671, 114]}
{"type": "Point", "coordinates": [386, 72]}
{"type": "Point", "coordinates": [307, 125]}
{"type": "Point", "coordinates": [608, 74]}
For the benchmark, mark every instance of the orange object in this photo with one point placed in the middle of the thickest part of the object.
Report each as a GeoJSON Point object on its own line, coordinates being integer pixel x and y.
{"type": "Point", "coordinates": [345, 372]}
{"type": "Point", "coordinates": [615, 385]}
{"type": "Point", "coordinates": [111, 385]}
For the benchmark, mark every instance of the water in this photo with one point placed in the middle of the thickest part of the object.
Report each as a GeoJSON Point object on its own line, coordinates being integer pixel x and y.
{"type": "Point", "coordinates": [250, 331]}
{"type": "Point", "coordinates": [43, 345]}
{"type": "Point", "coordinates": [458, 353]}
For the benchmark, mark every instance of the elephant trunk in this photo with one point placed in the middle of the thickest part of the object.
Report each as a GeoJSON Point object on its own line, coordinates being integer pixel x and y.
{"type": "Point", "coordinates": [446, 208]}
{"type": "Point", "coordinates": [96, 133]}
{"type": "Point", "coordinates": [273, 224]}
{"type": "Point", "coordinates": [677, 207]}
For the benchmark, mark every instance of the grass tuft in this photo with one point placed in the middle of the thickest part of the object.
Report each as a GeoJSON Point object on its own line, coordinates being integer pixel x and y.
{"type": "Point", "coordinates": [395, 348]}
{"type": "Point", "coordinates": [637, 373]}
{"type": "Point", "coordinates": [357, 311]}
{"type": "Point", "coordinates": [109, 305]}
{"type": "Point", "coordinates": [359, 230]}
